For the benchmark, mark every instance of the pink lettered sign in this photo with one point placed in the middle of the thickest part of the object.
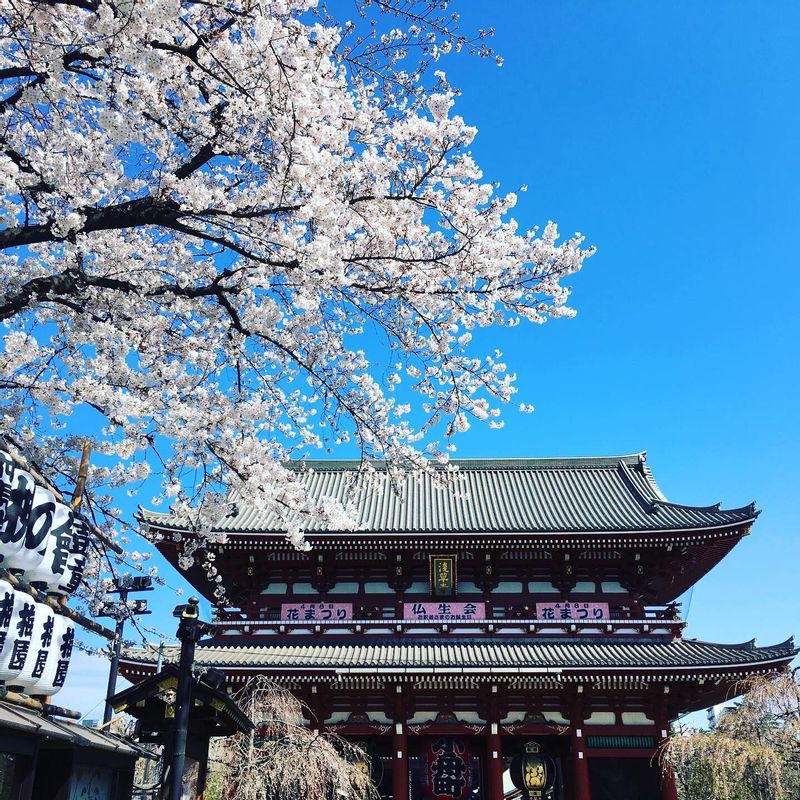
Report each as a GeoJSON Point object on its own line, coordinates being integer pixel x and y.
{"type": "Point", "coordinates": [316, 612]}
{"type": "Point", "coordinates": [572, 612]}
{"type": "Point", "coordinates": [438, 611]}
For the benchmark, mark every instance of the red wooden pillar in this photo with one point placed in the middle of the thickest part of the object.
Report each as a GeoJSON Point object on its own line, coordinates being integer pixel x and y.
{"type": "Point", "coordinates": [580, 761]}
{"type": "Point", "coordinates": [399, 762]}
{"type": "Point", "coordinates": [669, 789]}
{"type": "Point", "coordinates": [399, 747]}
{"type": "Point", "coordinates": [494, 764]}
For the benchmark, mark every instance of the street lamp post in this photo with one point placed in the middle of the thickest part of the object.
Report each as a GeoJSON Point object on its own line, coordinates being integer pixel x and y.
{"type": "Point", "coordinates": [190, 629]}
{"type": "Point", "coordinates": [119, 612]}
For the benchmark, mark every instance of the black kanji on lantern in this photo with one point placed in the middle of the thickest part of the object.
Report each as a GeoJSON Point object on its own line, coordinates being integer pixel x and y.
{"type": "Point", "coordinates": [18, 654]}
{"type": "Point", "coordinates": [448, 766]}
{"type": "Point", "coordinates": [40, 520]}
{"type": "Point", "coordinates": [25, 622]}
{"type": "Point", "coordinates": [66, 643]}
{"type": "Point", "coordinates": [38, 667]}
{"type": "Point", "coordinates": [63, 536]}
{"type": "Point", "coordinates": [6, 609]}
{"type": "Point", "coordinates": [61, 672]}
{"type": "Point", "coordinates": [75, 570]}
{"type": "Point", "coordinates": [47, 632]}
{"type": "Point", "coordinates": [16, 502]}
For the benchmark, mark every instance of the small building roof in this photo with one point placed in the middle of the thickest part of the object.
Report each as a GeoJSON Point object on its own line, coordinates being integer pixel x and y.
{"type": "Point", "coordinates": [27, 721]}
{"type": "Point", "coordinates": [528, 495]}
{"type": "Point", "coordinates": [212, 712]}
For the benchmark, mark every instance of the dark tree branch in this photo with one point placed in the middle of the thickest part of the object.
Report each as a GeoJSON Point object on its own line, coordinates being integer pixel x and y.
{"type": "Point", "coordinates": [130, 214]}
{"type": "Point", "coordinates": [86, 5]}
{"type": "Point", "coordinates": [73, 281]}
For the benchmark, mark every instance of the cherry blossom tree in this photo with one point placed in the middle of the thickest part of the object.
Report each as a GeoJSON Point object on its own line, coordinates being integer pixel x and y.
{"type": "Point", "coordinates": [216, 213]}
{"type": "Point", "coordinates": [283, 758]}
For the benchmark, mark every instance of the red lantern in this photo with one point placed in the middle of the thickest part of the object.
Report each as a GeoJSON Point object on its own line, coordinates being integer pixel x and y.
{"type": "Point", "coordinates": [449, 775]}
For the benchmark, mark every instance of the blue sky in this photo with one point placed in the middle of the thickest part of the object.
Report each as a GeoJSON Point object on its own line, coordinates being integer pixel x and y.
{"type": "Point", "coordinates": [667, 134]}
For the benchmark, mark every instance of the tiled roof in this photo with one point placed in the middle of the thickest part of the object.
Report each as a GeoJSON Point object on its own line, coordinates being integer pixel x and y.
{"type": "Point", "coordinates": [489, 495]}
{"type": "Point", "coordinates": [500, 655]}
{"type": "Point", "coordinates": [27, 721]}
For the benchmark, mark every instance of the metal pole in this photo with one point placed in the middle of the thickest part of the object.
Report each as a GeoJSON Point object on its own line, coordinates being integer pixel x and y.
{"type": "Point", "coordinates": [114, 668]}
{"type": "Point", "coordinates": [187, 634]}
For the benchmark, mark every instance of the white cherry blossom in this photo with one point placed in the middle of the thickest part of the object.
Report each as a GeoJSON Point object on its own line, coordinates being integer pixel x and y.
{"type": "Point", "coordinates": [210, 209]}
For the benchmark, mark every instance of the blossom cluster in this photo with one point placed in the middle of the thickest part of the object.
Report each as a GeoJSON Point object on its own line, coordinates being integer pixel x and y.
{"type": "Point", "coordinates": [208, 212]}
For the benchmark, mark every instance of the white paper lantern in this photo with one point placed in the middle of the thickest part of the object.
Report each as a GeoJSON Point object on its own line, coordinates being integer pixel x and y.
{"type": "Point", "coordinates": [17, 489]}
{"type": "Point", "coordinates": [58, 657]}
{"type": "Point", "coordinates": [76, 559]}
{"type": "Point", "coordinates": [6, 610]}
{"type": "Point", "coordinates": [50, 572]}
{"type": "Point", "coordinates": [17, 639]}
{"type": "Point", "coordinates": [40, 650]}
{"type": "Point", "coordinates": [37, 529]}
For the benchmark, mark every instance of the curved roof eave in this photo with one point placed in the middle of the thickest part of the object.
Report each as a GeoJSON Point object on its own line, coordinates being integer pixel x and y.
{"type": "Point", "coordinates": [598, 495]}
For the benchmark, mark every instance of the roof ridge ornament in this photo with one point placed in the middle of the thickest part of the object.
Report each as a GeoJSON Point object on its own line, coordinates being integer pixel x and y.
{"type": "Point", "coordinates": [650, 506]}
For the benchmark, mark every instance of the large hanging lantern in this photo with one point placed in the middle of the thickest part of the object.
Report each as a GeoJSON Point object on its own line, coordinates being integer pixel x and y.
{"type": "Point", "coordinates": [17, 489]}
{"type": "Point", "coordinates": [39, 650]}
{"type": "Point", "coordinates": [6, 610]}
{"type": "Point", "coordinates": [61, 568]}
{"type": "Point", "coordinates": [449, 775]}
{"type": "Point", "coordinates": [55, 545]}
{"type": "Point", "coordinates": [17, 616]}
{"type": "Point", "coordinates": [533, 773]}
{"type": "Point", "coordinates": [59, 653]}
{"type": "Point", "coordinates": [367, 772]}
{"type": "Point", "coordinates": [37, 528]}
{"type": "Point", "coordinates": [70, 578]}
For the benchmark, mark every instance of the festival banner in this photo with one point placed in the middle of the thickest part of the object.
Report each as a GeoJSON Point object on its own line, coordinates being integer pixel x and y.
{"type": "Point", "coordinates": [444, 612]}
{"type": "Point", "coordinates": [316, 612]}
{"type": "Point", "coordinates": [449, 775]}
{"type": "Point", "coordinates": [572, 612]}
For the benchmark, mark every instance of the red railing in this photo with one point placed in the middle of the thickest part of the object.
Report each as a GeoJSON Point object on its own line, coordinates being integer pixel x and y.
{"type": "Point", "coordinates": [649, 625]}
